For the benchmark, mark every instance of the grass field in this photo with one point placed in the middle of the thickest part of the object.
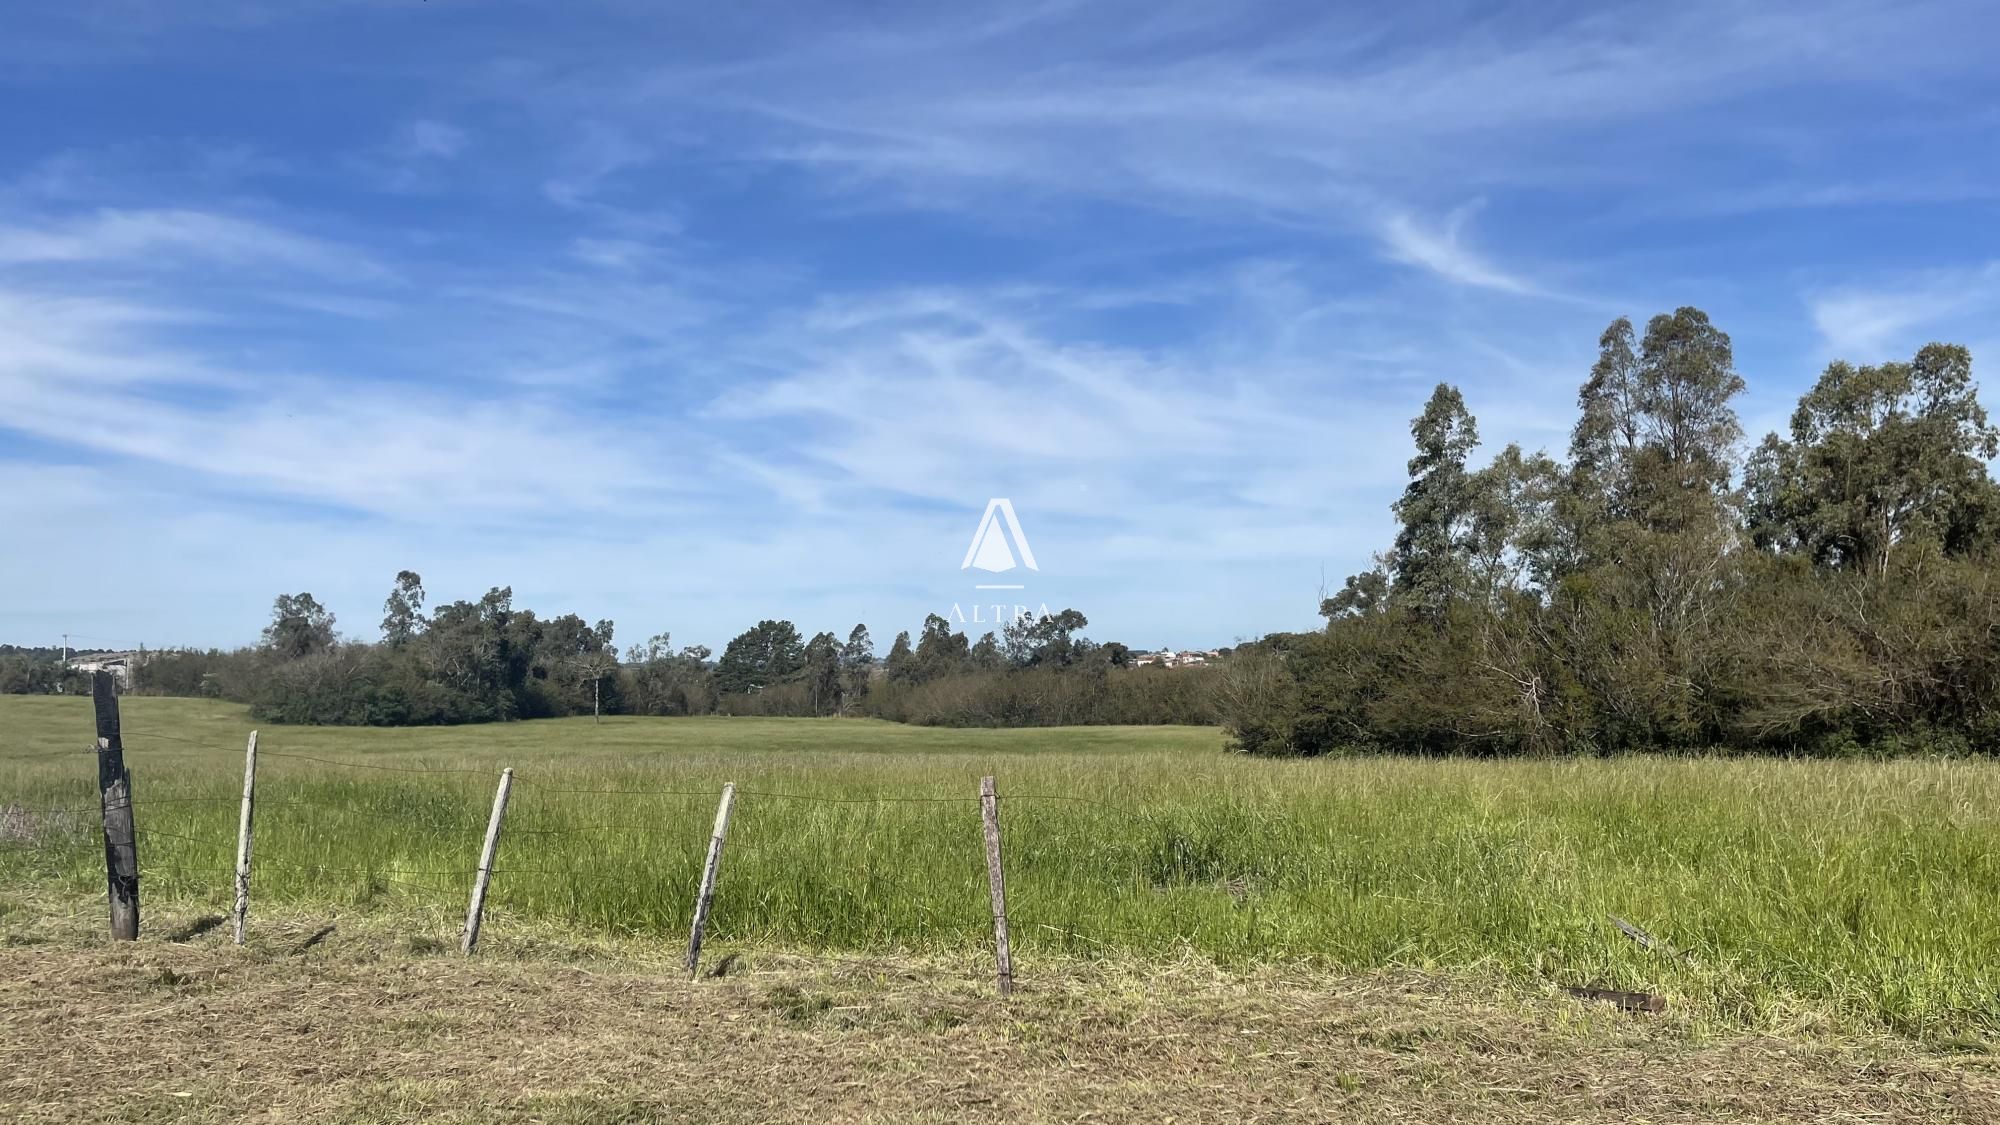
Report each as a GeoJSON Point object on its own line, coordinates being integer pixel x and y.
{"type": "Point", "coordinates": [1797, 897]}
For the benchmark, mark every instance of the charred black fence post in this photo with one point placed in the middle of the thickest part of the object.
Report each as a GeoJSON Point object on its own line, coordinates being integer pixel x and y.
{"type": "Point", "coordinates": [114, 782]}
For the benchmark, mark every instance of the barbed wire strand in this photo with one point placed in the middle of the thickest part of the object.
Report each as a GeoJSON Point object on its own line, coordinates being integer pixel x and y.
{"type": "Point", "coordinates": [87, 816]}
{"type": "Point", "coordinates": [147, 831]}
{"type": "Point", "coordinates": [141, 802]}
{"type": "Point", "coordinates": [263, 753]}
{"type": "Point", "coordinates": [710, 794]}
{"type": "Point", "coordinates": [582, 830]}
{"type": "Point", "coordinates": [218, 873]}
{"type": "Point", "coordinates": [521, 778]}
{"type": "Point", "coordinates": [384, 872]}
{"type": "Point", "coordinates": [770, 796]}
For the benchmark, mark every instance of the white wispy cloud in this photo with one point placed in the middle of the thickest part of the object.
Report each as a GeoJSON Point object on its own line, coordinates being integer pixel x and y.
{"type": "Point", "coordinates": [942, 395]}
{"type": "Point", "coordinates": [692, 330]}
{"type": "Point", "coordinates": [436, 140]}
{"type": "Point", "coordinates": [102, 377]}
{"type": "Point", "coordinates": [1863, 322]}
{"type": "Point", "coordinates": [1329, 124]}
{"type": "Point", "coordinates": [597, 153]}
{"type": "Point", "coordinates": [610, 253]}
{"type": "Point", "coordinates": [146, 238]}
{"type": "Point", "coordinates": [1440, 249]}
{"type": "Point", "coordinates": [848, 432]}
{"type": "Point", "coordinates": [123, 170]}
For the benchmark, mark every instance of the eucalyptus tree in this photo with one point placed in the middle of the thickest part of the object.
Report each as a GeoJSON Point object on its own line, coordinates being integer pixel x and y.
{"type": "Point", "coordinates": [1879, 456]}
{"type": "Point", "coordinates": [1431, 548]}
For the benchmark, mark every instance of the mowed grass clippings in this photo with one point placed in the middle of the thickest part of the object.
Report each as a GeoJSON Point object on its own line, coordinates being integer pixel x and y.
{"type": "Point", "coordinates": [1792, 898]}
{"type": "Point", "coordinates": [361, 1028]}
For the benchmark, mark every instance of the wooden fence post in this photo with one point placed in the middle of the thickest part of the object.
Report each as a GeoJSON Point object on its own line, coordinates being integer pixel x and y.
{"type": "Point", "coordinates": [989, 813]}
{"type": "Point", "coordinates": [114, 782]}
{"type": "Point", "coordinates": [474, 912]}
{"type": "Point", "coordinates": [706, 898]}
{"type": "Point", "coordinates": [242, 912]}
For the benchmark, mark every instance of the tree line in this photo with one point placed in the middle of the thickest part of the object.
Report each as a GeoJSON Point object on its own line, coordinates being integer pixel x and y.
{"type": "Point", "coordinates": [1834, 591]}
{"type": "Point", "coordinates": [1661, 585]}
{"type": "Point", "coordinates": [487, 661]}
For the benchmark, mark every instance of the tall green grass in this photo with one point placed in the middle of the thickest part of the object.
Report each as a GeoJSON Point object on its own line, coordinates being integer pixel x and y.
{"type": "Point", "coordinates": [1836, 894]}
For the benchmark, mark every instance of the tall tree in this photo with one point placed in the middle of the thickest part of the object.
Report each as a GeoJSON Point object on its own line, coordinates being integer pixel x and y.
{"type": "Point", "coordinates": [1878, 456]}
{"type": "Point", "coordinates": [1647, 513]}
{"type": "Point", "coordinates": [1647, 492]}
{"type": "Point", "coordinates": [665, 682]}
{"type": "Point", "coordinates": [986, 655]}
{"type": "Point", "coordinates": [822, 672]}
{"type": "Point", "coordinates": [1510, 522]}
{"type": "Point", "coordinates": [859, 651]}
{"type": "Point", "coordinates": [1430, 552]}
{"type": "Point", "coordinates": [940, 651]}
{"type": "Point", "coordinates": [1654, 438]}
{"type": "Point", "coordinates": [473, 653]}
{"type": "Point", "coordinates": [299, 627]}
{"type": "Point", "coordinates": [575, 660]}
{"type": "Point", "coordinates": [403, 612]}
{"type": "Point", "coordinates": [1687, 383]}
{"type": "Point", "coordinates": [857, 666]}
{"type": "Point", "coordinates": [658, 647]}
{"type": "Point", "coordinates": [1607, 429]}
{"type": "Point", "coordinates": [1047, 641]}
{"type": "Point", "coordinates": [1362, 594]}
{"type": "Point", "coordinates": [769, 652]}
{"type": "Point", "coordinates": [1595, 487]}
{"type": "Point", "coordinates": [901, 664]}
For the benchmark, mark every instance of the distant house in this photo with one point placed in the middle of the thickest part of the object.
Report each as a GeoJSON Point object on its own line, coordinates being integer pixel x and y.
{"type": "Point", "coordinates": [119, 664]}
{"type": "Point", "coordinates": [1168, 658]}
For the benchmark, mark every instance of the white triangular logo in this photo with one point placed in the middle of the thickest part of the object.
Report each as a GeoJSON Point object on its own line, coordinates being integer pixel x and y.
{"type": "Point", "coordinates": [989, 544]}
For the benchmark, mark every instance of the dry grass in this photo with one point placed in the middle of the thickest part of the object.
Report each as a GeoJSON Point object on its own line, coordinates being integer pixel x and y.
{"type": "Point", "coordinates": [368, 1025]}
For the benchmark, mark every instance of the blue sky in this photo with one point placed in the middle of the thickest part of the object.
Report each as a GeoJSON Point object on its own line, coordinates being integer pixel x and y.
{"type": "Point", "coordinates": [691, 315]}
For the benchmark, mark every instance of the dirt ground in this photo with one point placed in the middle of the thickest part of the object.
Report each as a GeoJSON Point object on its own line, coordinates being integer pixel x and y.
{"type": "Point", "coordinates": [361, 1026]}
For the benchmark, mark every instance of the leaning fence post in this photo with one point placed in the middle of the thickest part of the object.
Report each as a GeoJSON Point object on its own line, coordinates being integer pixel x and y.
{"type": "Point", "coordinates": [485, 873]}
{"type": "Point", "coordinates": [242, 912]}
{"type": "Point", "coordinates": [706, 898]}
{"type": "Point", "coordinates": [114, 781]}
{"type": "Point", "coordinates": [989, 813]}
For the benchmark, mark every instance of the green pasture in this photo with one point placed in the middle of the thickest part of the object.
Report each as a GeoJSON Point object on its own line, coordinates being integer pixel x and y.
{"type": "Point", "coordinates": [1784, 894]}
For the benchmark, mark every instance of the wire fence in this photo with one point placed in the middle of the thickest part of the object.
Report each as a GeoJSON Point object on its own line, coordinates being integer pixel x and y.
{"type": "Point", "coordinates": [879, 881]}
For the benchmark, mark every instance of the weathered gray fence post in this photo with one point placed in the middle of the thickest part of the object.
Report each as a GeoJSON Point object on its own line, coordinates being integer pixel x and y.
{"type": "Point", "coordinates": [996, 883]}
{"type": "Point", "coordinates": [477, 909]}
{"type": "Point", "coordinates": [242, 911]}
{"type": "Point", "coordinates": [114, 782]}
{"type": "Point", "coordinates": [705, 899]}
